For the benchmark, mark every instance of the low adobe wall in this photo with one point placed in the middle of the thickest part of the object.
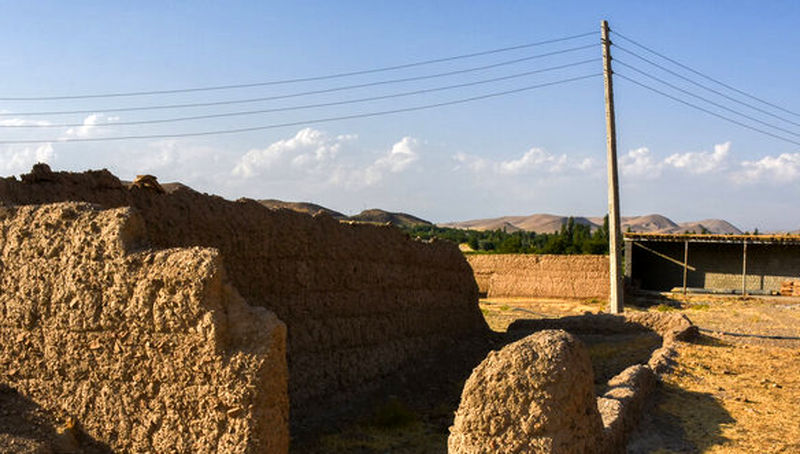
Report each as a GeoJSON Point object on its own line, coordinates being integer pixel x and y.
{"type": "Point", "coordinates": [548, 276]}
{"type": "Point", "coordinates": [534, 395]}
{"type": "Point", "coordinates": [545, 384]}
{"type": "Point", "coordinates": [361, 302]}
{"type": "Point", "coordinates": [148, 350]}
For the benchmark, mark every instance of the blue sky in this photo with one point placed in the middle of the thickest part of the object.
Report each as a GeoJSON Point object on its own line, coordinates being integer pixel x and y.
{"type": "Point", "coordinates": [536, 151]}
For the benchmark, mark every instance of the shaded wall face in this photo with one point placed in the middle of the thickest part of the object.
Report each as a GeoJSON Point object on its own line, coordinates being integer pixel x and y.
{"type": "Point", "coordinates": [359, 300]}
{"type": "Point", "coordinates": [550, 276]}
{"type": "Point", "coordinates": [718, 266]}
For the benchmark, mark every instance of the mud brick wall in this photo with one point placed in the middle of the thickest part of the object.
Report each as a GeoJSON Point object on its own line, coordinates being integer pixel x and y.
{"type": "Point", "coordinates": [149, 350]}
{"type": "Point", "coordinates": [361, 302]}
{"type": "Point", "coordinates": [532, 275]}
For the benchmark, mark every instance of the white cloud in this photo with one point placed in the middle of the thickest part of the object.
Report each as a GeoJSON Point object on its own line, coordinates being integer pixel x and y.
{"type": "Point", "coordinates": [312, 154]}
{"type": "Point", "coordinates": [398, 159]}
{"type": "Point", "coordinates": [14, 160]}
{"type": "Point", "coordinates": [310, 150]}
{"type": "Point", "coordinates": [22, 122]}
{"type": "Point", "coordinates": [586, 164]}
{"type": "Point", "coordinates": [701, 162]}
{"type": "Point", "coordinates": [401, 156]}
{"type": "Point", "coordinates": [783, 168]}
{"type": "Point", "coordinates": [535, 160]}
{"type": "Point", "coordinates": [89, 126]}
{"type": "Point", "coordinates": [169, 157]}
{"type": "Point", "coordinates": [473, 163]}
{"type": "Point", "coordinates": [640, 163]}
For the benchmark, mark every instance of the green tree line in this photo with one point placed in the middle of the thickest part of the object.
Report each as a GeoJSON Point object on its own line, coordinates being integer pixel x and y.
{"type": "Point", "coordinates": [573, 238]}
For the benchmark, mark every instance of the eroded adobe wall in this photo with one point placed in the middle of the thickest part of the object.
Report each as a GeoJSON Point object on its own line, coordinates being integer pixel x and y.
{"type": "Point", "coordinates": [537, 394]}
{"type": "Point", "coordinates": [533, 395]}
{"type": "Point", "coordinates": [359, 300]}
{"type": "Point", "coordinates": [149, 350]}
{"type": "Point", "coordinates": [533, 275]}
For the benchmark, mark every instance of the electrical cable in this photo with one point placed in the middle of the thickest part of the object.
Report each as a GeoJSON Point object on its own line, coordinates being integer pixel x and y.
{"type": "Point", "coordinates": [741, 92]}
{"type": "Point", "coordinates": [298, 80]}
{"type": "Point", "coordinates": [744, 125]}
{"type": "Point", "coordinates": [717, 92]}
{"type": "Point", "coordinates": [296, 94]}
{"type": "Point", "coordinates": [687, 92]}
{"type": "Point", "coordinates": [304, 122]}
{"type": "Point", "coordinates": [307, 106]}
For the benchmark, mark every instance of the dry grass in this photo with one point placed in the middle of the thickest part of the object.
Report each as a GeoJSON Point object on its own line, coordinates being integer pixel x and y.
{"type": "Point", "coordinates": [731, 394]}
{"type": "Point", "coordinates": [750, 397]}
{"type": "Point", "coordinates": [727, 394]}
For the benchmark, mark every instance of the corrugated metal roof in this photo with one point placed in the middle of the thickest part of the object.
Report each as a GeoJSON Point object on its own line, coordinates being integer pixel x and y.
{"type": "Point", "coordinates": [713, 238]}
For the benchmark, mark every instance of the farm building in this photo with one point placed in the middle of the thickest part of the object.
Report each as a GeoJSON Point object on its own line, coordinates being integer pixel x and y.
{"type": "Point", "coordinates": [754, 264]}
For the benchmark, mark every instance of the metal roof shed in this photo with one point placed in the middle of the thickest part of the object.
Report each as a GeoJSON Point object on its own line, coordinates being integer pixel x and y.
{"type": "Point", "coordinates": [718, 263]}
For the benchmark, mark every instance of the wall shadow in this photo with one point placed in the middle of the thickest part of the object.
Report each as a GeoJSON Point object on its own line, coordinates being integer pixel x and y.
{"type": "Point", "coordinates": [27, 427]}
{"type": "Point", "coordinates": [665, 426]}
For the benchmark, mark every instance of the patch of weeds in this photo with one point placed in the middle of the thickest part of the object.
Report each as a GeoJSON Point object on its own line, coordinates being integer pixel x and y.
{"type": "Point", "coordinates": [394, 414]}
{"type": "Point", "coordinates": [664, 308]}
{"type": "Point", "coordinates": [699, 307]}
{"type": "Point", "coordinates": [505, 307]}
{"type": "Point", "coordinates": [485, 311]}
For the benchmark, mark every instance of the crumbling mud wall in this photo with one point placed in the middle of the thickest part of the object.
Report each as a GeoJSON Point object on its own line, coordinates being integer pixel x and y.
{"type": "Point", "coordinates": [533, 275]}
{"type": "Point", "coordinates": [359, 301]}
{"type": "Point", "coordinates": [146, 350]}
{"type": "Point", "coordinates": [534, 395]}
{"type": "Point", "coordinates": [544, 384]}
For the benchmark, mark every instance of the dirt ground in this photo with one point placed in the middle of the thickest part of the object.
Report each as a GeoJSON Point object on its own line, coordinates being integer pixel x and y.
{"type": "Point", "coordinates": [736, 389]}
{"type": "Point", "coordinates": [727, 394]}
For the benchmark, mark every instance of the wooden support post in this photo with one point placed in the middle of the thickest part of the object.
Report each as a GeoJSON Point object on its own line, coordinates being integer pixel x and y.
{"type": "Point", "coordinates": [685, 263]}
{"type": "Point", "coordinates": [744, 268]}
{"type": "Point", "coordinates": [616, 303]}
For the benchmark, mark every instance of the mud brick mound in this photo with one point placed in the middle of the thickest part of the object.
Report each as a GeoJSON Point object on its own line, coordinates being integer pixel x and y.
{"type": "Point", "coordinates": [534, 395]}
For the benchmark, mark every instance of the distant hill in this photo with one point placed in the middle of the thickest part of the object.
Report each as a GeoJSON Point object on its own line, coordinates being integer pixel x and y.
{"type": "Point", "coordinates": [505, 222]}
{"type": "Point", "coordinates": [648, 223]}
{"type": "Point", "coordinates": [548, 223]}
{"type": "Point", "coordinates": [712, 225]}
{"type": "Point", "coordinates": [544, 223]}
{"type": "Point", "coordinates": [382, 217]}
{"type": "Point", "coordinates": [375, 215]}
{"type": "Point", "coordinates": [303, 207]}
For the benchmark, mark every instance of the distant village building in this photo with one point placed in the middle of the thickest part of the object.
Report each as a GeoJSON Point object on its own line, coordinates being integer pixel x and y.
{"type": "Point", "coordinates": [749, 264]}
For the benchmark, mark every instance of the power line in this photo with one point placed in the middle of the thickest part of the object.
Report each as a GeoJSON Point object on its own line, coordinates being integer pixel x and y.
{"type": "Point", "coordinates": [310, 106]}
{"type": "Point", "coordinates": [710, 112]}
{"type": "Point", "coordinates": [717, 92]}
{"type": "Point", "coordinates": [298, 80]}
{"type": "Point", "coordinates": [675, 87]}
{"type": "Point", "coordinates": [298, 94]}
{"type": "Point", "coordinates": [306, 122]}
{"type": "Point", "coordinates": [729, 87]}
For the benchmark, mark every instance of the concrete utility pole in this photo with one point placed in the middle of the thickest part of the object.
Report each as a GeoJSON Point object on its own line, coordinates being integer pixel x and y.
{"type": "Point", "coordinates": [614, 244]}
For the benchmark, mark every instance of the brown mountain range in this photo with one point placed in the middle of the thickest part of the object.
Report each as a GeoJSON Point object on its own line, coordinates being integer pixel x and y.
{"type": "Point", "coordinates": [372, 215]}
{"type": "Point", "coordinates": [546, 223]}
